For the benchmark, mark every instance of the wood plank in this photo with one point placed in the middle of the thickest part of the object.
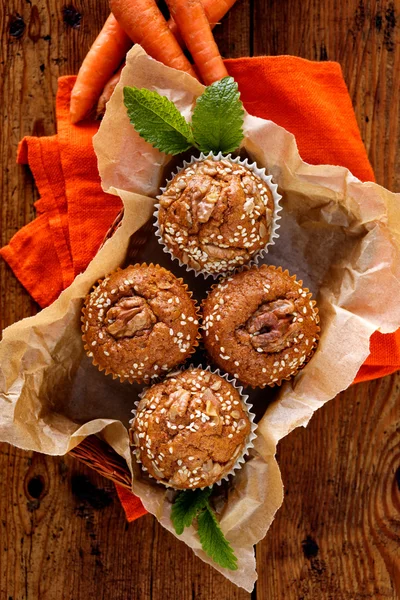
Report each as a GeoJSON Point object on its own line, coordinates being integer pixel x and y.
{"type": "Point", "coordinates": [363, 36]}
{"type": "Point", "coordinates": [64, 535]}
{"type": "Point", "coordinates": [335, 535]}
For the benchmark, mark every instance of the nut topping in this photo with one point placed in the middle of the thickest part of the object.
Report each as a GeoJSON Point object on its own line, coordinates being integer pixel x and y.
{"type": "Point", "coordinates": [179, 403]}
{"type": "Point", "coordinates": [206, 206]}
{"type": "Point", "coordinates": [216, 385]}
{"type": "Point", "coordinates": [130, 316]}
{"type": "Point", "coordinates": [271, 328]}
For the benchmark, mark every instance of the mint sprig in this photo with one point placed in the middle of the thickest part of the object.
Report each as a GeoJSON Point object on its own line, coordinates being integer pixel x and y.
{"type": "Point", "coordinates": [192, 504]}
{"type": "Point", "coordinates": [157, 120]}
{"type": "Point", "coordinates": [213, 541]}
{"type": "Point", "coordinates": [186, 507]}
{"type": "Point", "coordinates": [217, 122]}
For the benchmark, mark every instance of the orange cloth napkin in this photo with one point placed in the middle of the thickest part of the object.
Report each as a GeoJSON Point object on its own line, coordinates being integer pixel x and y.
{"type": "Point", "coordinates": [309, 99]}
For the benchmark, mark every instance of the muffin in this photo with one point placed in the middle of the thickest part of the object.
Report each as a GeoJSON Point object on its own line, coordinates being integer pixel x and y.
{"type": "Point", "coordinates": [261, 325]}
{"type": "Point", "coordinates": [139, 322]}
{"type": "Point", "coordinates": [215, 215]}
{"type": "Point", "coordinates": [190, 430]}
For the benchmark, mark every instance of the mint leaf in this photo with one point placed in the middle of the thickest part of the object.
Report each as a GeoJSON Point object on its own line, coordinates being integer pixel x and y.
{"type": "Point", "coordinates": [217, 119]}
{"type": "Point", "coordinates": [186, 507]}
{"type": "Point", "coordinates": [214, 542]}
{"type": "Point", "coordinates": [157, 120]}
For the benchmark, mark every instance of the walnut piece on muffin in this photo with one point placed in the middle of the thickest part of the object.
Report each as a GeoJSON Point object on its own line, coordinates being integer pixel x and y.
{"type": "Point", "coordinates": [190, 429]}
{"type": "Point", "coordinates": [215, 215]}
{"type": "Point", "coordinates": [260, 325]}
{"type": "Point", "coordinates": [139, 322]}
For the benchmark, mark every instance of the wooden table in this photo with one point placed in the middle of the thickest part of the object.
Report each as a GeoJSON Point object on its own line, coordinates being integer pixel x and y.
{"type": "Point", "coordinates": [62, 531]}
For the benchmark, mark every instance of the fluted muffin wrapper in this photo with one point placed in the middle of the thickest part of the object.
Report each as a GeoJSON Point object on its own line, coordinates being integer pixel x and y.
{"type": "Point", "coordinates": [309, 298]}
{"type": "Point", "coordinates": [261, 173]}
{"type": "Point", "coordinates": [132, 379]}
{"type": "Point", "coordinates": [250, 438]}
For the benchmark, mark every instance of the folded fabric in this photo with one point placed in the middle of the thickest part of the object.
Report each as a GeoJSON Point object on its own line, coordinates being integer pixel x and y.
{"type": "Point", "coordinates": [309, 99]}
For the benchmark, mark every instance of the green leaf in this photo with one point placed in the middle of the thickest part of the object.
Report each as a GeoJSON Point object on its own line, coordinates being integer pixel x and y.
{"type": "Point", "coordinates": [214, 542]}
{"type": "Point", "coordinates": [217, 119]}
{"type": "Point", "coordinates": [157, 120]}
{"type": "Point", "coordinates": [186, 507]}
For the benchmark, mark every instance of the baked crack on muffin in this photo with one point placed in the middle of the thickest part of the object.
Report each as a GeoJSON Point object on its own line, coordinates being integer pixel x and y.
{"type": "Point", "coordinates": [260, 325]}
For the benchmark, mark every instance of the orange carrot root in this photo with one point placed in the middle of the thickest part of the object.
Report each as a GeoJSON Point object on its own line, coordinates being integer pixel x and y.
{"type": "Point", "coordinates": [103, 58]}
{"type": "Point", "coordinates": [107, 93]}
{"type": "Point", "coordinates": [144, 23]}
{"type": "Point", "coordinates": [215, 11]}
{"type": "Point", "coordinates": [195, 29]}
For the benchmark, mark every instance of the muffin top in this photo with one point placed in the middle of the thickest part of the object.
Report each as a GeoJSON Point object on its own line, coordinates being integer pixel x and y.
{"type": "Point", "coordinates": [139, 322]}
{"type": "Point", "coordinates": [215, 215]}
{"type": "Point", "coordinates": [190, 429]}
{"type": "Point", "coordinates": [261, 325]}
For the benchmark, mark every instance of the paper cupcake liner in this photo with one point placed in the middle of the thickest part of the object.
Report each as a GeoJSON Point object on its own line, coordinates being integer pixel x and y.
{"type": "Point", "coordinates": [308, 297]}
{"type": "Point", "coordinates": [241, 459]}
{"type": "Point", "coordinates": [151, 378]}
{"type": "Point", "coordinates": [252, 166]}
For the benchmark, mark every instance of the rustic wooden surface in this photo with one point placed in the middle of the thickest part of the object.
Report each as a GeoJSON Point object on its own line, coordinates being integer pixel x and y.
{"type": "Point", "coordinates": [62, 531]}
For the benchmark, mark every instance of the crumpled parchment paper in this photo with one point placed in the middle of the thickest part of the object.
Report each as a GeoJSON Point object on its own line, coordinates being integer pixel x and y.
{"type": "Point", "coordinates": [341, 236]}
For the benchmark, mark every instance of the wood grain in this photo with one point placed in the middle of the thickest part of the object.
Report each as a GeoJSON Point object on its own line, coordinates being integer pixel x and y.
{"type": "Point", "coordinates": [62, 530]}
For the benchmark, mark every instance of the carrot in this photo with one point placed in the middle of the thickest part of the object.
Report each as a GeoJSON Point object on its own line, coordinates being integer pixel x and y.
{"type": "Point", "coordinates": [215, 11]}
{"type": "Point", "coordinates": [108, 92]}
{"type": "Point", "coordinates": [103, 58]}
{"type": "Point", "coordinates": [193, 24]}
{"type": "Point", "coordinates": [144, 23]}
